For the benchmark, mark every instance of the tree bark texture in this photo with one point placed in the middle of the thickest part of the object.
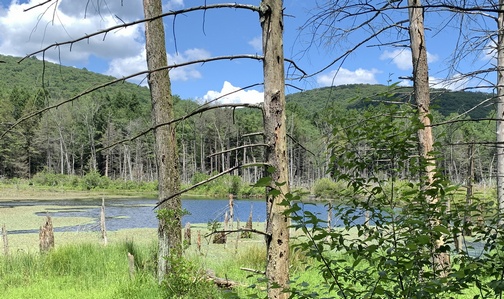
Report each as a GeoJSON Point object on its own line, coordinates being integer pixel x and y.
{"type": "Point", "coordinates": [170, 228]}
{"type": "Point", "coordinates": [277, 269]}
{"type": "Point", "coordinates": [422, 98]}
{"type": "Point", "coordinates": [500, 112]}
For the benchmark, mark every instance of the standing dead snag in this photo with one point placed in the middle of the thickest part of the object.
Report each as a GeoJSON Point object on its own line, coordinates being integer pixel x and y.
{"type": "Point", "coordinates": [421, 89]}
{"type": "Point", "coordinates": [500, 112]}
{"type": "Point", "coordinates": [46, 236]}
{"type": "Point", "coordinates": [277, 222]}
{"type": "Point", "coordinates": [170, 224]}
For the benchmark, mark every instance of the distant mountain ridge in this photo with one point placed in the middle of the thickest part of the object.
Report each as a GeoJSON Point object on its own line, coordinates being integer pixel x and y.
{"type": "Point", "coordinates": [444, 101]}
{"type": "Point", "coordinates": [64, 82]}
{"type": "Point", "coordinates": [60, 81]}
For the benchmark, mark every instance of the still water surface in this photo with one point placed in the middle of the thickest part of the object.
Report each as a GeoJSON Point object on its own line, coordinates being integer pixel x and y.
{"type": "Point", "coordinates": [140, 213]}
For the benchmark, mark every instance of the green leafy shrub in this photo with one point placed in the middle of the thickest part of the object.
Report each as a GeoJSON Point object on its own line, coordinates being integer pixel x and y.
{"type": "Point", "coordinates": [93, 180]}
{"type": "Point", "coordinates": [187, 280]}
{"type": "Point", "coordinates": [395, 240]}
{"type": "Point", "coordinates": [327, 188]}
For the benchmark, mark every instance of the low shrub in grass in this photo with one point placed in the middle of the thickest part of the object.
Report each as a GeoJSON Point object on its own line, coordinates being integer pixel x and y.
{"type": "Point", "coordinates": [187, 280]}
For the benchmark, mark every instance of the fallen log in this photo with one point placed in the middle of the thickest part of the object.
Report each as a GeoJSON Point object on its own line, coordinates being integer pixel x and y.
{"type": "Point", "coordinates": [221, 282]}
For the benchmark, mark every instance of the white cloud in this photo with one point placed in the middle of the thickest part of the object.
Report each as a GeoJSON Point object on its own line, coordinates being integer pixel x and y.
{"type": "Point", "coordinates": [173, 4]}
{"type": "Point", "coordinates": [239, 96]}
{"type": "Point", "coordinates": [402, 58]}
{"type": "Point", "coordinates": [120, 67]}
{"type": "Point", "coordinates": [405, 83]}
{"type": "Point", "coordinates": [344, 76]}
{"type": "Point", "coordinates": [256, 43]}
{"type": "Point", "coordinates": [187, 72]}
{"type": "Point", "coordinates": [125, 10]}
{"type": "Point", "coordinates": [27, 32]}
{"type": "Point", "coordinates": [489, 52]}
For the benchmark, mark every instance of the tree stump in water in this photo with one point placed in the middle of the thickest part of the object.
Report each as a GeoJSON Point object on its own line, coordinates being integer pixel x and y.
{"type": "Point", "coordinates": [46, 236]}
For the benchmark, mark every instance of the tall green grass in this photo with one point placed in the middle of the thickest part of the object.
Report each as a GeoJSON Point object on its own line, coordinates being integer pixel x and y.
{"type": "Point", "coordinates": [78, 271]}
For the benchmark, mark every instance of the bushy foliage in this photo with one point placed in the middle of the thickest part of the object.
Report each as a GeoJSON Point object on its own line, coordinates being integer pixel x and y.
{"type": "Point", "coordinates": [187, 280]}
{"type": "Point", "coordinates": [93, 180]}
{"type": "Point", "coordinates": [327, 188]}
{"type": "Point", "coordinates": [51, 179]}
{"type": "Point", "coordinates": [395, 239]}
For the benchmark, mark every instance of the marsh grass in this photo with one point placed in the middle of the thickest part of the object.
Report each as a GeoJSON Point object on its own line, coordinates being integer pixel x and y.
{"type": "Point", "coordinates": [80, 271]}
{"type": "Point", "coordinates": [86, 269]}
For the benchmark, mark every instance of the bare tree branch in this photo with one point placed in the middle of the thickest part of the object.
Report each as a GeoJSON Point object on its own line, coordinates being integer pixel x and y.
{"type": "Point", "coordinates": [227, 232]}
{"type": "Point", "coordinates": [253, 271]}
{"type": "Point", "coordinates": [90, 90]}
{"type": "Point", "coordinates": [237, 148]}
{"type": "Point", "coordinates": [209, 180]}
{"type": "Point", "coordinates": [463, 120]}
{"type": "Point", "coordinates": [125, 25]}
{"type": "Point", "coordinates": [36, 5]}
{"type": "Point", "coordinates": [302, 146]}
{"type": "Point", "coordinates": [253, 134]}
{"type": "Point", "coordinates": [197, 111]}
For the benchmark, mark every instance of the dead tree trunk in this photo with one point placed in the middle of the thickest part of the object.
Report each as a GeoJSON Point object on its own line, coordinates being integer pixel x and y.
{"type": "Point", "coordinates": [422, 97]}
{"type": "Point", "coordinates": [103, 228]}
{"type": "Point", "coordinates": [500, 112]}
{"type": "Point", "coordinates": [46, 236]}
{"type": "Point", "coordinates": [170, 225]}
{"type": "Point", "coordinates": [277, 223]}
{"type": "Point", "coordinates": [5, 240]}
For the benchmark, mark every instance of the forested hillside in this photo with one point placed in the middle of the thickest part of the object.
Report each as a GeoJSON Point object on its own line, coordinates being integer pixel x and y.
{"type": "Point", "coordinates": [74, 138]}
{"type": "Point", "coordinates": [360, 95]}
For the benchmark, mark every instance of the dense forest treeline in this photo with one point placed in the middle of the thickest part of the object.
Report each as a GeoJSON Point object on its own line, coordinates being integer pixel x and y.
{"type": "Point", "coordinates": [75, 138]}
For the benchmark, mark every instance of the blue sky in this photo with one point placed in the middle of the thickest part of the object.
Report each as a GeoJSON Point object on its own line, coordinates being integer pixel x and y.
{"type": "Point", "coordinates": [219, 32]}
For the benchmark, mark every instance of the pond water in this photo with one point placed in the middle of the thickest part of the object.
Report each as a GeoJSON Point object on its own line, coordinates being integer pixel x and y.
{"type": "Point", "coordinates": [140, 213]}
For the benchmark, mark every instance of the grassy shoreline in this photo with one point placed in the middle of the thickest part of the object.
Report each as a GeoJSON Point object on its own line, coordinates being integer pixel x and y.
{"type": "Point", "coordinates": [31, 192]}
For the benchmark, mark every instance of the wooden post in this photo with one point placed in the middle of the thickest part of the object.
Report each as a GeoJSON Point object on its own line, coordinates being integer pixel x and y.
{"type": "Point", "coordinates": [5, 240]}
{"type": "Point", "coordinates": [187, 233]}
{"type": "Point", "coordinates": [102, 222]}
{"type": "Point", "coordinates": [231, 209]}
{"type": "Point", "coordinates": [248, 235]}
{"type": "Point", "coordinates": [46, 236]}
{"type": "Point", "coordinates": [131, 265]}
{"type": "Point", "coordinates": [198, 241]}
